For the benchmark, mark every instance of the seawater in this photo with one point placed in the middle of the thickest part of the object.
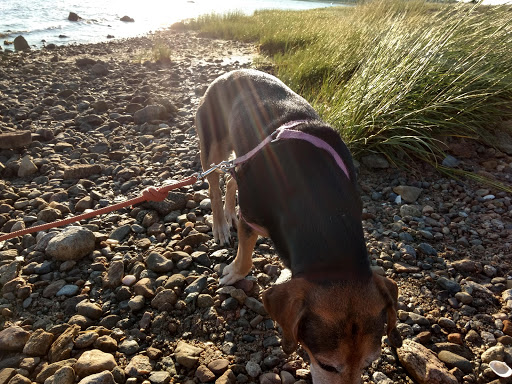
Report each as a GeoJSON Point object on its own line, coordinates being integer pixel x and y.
{"type": "Point", "coordinates": [46, 21]}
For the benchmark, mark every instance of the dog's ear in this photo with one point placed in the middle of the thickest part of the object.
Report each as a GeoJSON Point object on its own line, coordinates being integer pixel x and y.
{"type": "Point", "coordinates": [285, 304]}
{"type": "Point", "coordinates": [389, 291]}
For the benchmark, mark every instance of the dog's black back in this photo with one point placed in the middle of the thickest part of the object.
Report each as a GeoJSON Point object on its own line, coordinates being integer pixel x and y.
{"type": "Point", "coordinates": [295, 190]}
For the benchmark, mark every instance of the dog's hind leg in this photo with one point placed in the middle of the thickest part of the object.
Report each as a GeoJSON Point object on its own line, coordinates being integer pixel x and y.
{"type": "Point", "coordinates": [242, 264]}
{"type": "Point", "coordinates": [230, 203]}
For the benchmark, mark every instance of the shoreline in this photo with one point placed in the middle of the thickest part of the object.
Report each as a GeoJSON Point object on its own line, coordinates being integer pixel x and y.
{"type": "Point", "coordinates": [140, 290]}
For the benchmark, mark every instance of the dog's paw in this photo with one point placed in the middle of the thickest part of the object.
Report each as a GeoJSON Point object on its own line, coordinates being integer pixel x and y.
{"type": "Point", "coordinates": [230, 276]}
{"type": "Point", "coordinates": [221, 233]}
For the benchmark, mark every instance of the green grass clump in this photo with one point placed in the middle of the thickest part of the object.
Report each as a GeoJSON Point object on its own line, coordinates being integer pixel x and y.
{"type": "Point", "coordinates": [394, 77]}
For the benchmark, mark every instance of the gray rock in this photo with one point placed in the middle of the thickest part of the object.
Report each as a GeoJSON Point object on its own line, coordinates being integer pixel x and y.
{"type": "Point", "coordinates": [120, 233]}
{"type": "Point", "coordinates": [427, 249]}
{"type": "Point", "coordinates": [450, 162]}
{"type": "Point", "coordinates": [136, 303]}
{"type": "Point", "coordinates": [71, 244]}
{"type": "Point", "coordinates": [375, 161]}
{"type": "Point", "coordinates": [409, 194]}
{"type": "Point", "coordinates": [65, 375]}
{"type": "Point", "coordinates": [410, 210]}
{"type": "Point", "coordinates": [68, 290]}
{"type": "Point", "coordinates": [453, 360]}
{"type": "Point", "coordinates": [104, 377]}
{"type": "Point", "coordinates": [88, 309]}
{"type": "Point", "coordinates": [160, 377]}
{"type": "Point", "coordinates": [452, 286]}
{"type": "Point", "coordinates": [253, 369]}
{"type": "Point", "coordinates": [494, 353]}
{"type": "Point", "coordinates": [187, 355]}
{"type": "Point", "coordinates": [158, 263]}
{"type": "Point", "coordinates": [150, 113]}
{"type": "Point", "coordinates": [27, 167]}
{"type": "Point", "coordinates": [255, 305]}
{"type": "Point", "coordinates": [197, 285]}
{"type": "Point", "coordinates": [13, 339]}
{"type": "Point", "coordinates": [164, 300]}
{"type": "Point", "coordinates": [129, 347]}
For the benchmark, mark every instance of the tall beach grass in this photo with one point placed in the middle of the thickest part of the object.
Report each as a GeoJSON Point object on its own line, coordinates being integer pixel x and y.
{"type": "Point", "coordinates": [394, 77]}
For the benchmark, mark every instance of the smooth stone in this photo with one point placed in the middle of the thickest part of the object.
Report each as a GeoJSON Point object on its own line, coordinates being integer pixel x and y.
{"type": "Point", "coordinates": [71, 244]}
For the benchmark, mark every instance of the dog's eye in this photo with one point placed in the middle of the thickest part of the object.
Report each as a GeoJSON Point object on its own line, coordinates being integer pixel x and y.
{"type": "Point", "coordinates": [327, 368]}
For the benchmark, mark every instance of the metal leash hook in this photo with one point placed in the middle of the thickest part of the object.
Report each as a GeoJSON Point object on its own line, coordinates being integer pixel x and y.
{"type": "Point", "coordinates": [224, 166]}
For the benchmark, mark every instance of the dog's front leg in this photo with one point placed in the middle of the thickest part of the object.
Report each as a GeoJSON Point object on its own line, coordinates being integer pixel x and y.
{"type": "Point", "coordinates": [220, 225]}
{"type": "Point", "coordinates": [242, 264]}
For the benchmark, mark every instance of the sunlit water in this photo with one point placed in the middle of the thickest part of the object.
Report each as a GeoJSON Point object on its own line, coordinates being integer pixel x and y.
{"type": "Point", "coordinates": [47, 20]}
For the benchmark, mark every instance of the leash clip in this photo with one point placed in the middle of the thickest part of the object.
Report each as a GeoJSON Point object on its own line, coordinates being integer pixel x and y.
{"type": "Point", "coordinates": [224, 166]}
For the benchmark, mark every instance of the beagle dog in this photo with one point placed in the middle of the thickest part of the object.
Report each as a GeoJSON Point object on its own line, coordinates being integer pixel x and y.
{"type": "Point", "coordinates": [297, 185]}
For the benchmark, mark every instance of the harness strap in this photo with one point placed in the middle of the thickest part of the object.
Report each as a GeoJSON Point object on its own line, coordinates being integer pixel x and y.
{"type": "Point", "coordinates": [282, 133]}
{"type": "Point", "coordinates": [285, 132]}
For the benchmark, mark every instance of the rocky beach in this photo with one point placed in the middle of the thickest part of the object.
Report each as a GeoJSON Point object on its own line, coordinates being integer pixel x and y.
{"type": "Point", "coordinates": [133, 296]}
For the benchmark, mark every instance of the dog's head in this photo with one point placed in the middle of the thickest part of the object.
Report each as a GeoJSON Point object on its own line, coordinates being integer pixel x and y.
{"type": "Point", "coordinates": [339, 325]}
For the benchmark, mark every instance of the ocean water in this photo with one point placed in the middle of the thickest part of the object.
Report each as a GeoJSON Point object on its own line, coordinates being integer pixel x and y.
{"type": "Point", "coordinates": [47, 20]}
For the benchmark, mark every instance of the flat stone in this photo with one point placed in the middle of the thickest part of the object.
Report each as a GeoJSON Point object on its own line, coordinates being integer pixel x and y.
{"type": "Point", "coordinates": [81, 171]}
{"type": "Point", "coordinates": [453, 360]}
{"type": "Point", "coordinates": [494, 353]}
{"type": "Point", "coordinates": [12, 140]}
{"type": "Point", "coordinates": [423, 365]}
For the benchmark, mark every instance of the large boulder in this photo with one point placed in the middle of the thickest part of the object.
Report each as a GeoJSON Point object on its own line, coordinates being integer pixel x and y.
{"type": "Point", "coordinates": [73, 16]}
{"type": "Point", "coordinates": [20, 44]}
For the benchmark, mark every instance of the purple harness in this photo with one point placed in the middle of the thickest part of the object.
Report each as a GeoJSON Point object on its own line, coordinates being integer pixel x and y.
{"type": "Point", "coordinates": [282, 133]}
